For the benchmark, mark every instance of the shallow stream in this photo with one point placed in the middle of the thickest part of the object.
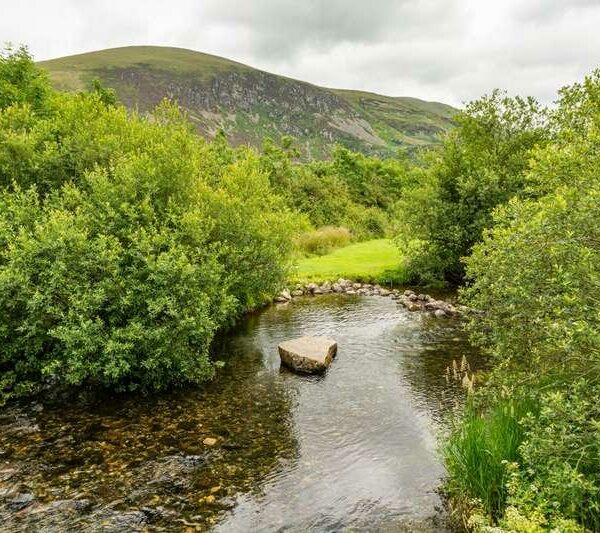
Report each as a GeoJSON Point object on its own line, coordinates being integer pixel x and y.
{"type": "Point", "coordinates": [353, 449]}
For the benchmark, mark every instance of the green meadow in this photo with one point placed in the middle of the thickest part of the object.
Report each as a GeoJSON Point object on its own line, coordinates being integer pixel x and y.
{"type": "Point", "coordinates": [376, 260]}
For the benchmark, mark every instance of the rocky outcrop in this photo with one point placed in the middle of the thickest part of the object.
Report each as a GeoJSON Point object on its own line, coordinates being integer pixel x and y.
{"type": "Point", "coordinates": [309, 355]}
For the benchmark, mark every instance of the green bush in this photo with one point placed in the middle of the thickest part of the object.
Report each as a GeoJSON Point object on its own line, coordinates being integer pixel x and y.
{"type": "Point", "coordinates": [351, 190]}
{"type": "Point", "coordinates": [372, 182]}
{"type": "Point", "coordinates": [560, 472]}
{"type": "Point", "coordinates": [122, 296]}
{"type": "Point", "coordinates": [482, 164]}
{"type": "Point", "coordinates": [126, 243]}
{"type": "Point", "coordinates": [21, 82]}
{"type": "Point", "coordinates": [537, 276]}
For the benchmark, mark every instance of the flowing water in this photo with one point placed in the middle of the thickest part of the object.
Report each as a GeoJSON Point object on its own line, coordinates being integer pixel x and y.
{"type": "Point", "coordinates": [352, 449]}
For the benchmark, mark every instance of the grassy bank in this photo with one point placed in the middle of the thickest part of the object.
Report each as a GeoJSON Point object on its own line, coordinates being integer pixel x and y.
{"type": "Point", "coordinates": [376, 260]}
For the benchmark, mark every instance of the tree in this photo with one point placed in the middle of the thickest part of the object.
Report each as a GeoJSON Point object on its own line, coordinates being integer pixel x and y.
{"type": "Point", "coordinates": [21, 82]}
{"type": "Point", "coordinates": [482, 164]}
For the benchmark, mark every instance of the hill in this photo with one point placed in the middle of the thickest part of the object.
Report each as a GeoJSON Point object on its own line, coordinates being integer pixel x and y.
{"type": "Point", "coordinates": [250, 104]}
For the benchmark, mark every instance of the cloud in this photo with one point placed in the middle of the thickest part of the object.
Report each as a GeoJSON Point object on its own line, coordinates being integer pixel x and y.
{"type": "Point", "coordinates": [287, 28]}
{"type": "Point", "coordinates": [447, 50]}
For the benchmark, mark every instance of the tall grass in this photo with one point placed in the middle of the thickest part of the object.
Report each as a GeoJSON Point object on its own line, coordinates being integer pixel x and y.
{"type": "Point", "coordinates": [323, 240]}
{"type": "Point", "coordinates": [478, 451]}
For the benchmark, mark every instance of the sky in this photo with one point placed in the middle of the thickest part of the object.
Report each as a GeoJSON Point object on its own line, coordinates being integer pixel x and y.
{"type": "Point", "coordinates": [445, 50]}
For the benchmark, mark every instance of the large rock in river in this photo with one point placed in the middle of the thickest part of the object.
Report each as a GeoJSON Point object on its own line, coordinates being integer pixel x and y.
{"type": "Point", "coordinates": [309, 355]}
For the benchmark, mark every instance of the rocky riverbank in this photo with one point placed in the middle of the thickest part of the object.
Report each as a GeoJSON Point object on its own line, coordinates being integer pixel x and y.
{"type": "Point", "coordinates": [410, 300]}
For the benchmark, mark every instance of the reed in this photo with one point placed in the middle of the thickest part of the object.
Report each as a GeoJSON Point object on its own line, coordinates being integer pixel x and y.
{"type": "Point", "coordinates": [323, 240]}
{"type": "Point", "coordinates": [478, 451]}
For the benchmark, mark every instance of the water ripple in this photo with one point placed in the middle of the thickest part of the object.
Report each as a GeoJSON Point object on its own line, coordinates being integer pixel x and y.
{"type": "Point", "coordinates": [354, 448]}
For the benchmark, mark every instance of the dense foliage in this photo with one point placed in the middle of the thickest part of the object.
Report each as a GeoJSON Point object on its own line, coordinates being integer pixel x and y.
{"type": "Point", "coordinates": [481, 165]}
{"type": "Point", "coordinates": [350, 190]}
{"type": "Point", "coordinates": [20, 83]}
{"type": "Point", "coordinates": [126, 242]}
{"type": "Point", "coordinates": [536, 278]}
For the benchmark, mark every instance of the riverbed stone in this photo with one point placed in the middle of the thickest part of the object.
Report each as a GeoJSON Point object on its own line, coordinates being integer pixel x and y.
{"type": "Point", "coordinates": [283, 296]}
{"type": "Point", "coordinates": [20, 501]}
{"type": "Point", "coordinates": [308, 355]}
{"type": "Point", "coordinates": [121, 521]}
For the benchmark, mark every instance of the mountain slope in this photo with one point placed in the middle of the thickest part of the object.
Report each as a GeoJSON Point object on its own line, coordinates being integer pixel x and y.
{"type": "Point", "coordinates": [250, 104]}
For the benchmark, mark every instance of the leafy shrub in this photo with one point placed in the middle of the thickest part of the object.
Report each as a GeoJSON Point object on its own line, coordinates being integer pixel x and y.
{"type": "Point", "coordinates": [351, 190]}
{"type": "Point", "coordinates": [537, 273]}
{"type": "Point", "coordinates": [481, 165]}
{"type": "Point", "coordinates": [126, 243]}
{"type": "Point", "coordinates": [372, 182]}
{"type": "Point", "coordinates": [126, 295]}
{"type": "Point", "coordinates": [560, 474]}
{"type": "Point", "coordinates": [20, 81]}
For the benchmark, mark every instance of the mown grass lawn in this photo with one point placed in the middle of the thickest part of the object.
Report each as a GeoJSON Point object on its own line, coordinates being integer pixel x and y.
{"type": "Point", "coordinates": [370, 261]}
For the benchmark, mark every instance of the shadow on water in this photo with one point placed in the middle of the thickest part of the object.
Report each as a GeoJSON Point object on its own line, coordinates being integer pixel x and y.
{"type": "Point", "coordinates": [354, 448]}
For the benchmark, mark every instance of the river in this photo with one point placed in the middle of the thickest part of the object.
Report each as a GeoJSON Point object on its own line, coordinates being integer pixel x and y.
{"type": "Point", "coordinates": [352, 449]}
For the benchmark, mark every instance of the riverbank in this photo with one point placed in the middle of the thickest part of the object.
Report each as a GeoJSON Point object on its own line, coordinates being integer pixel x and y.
{"type": "Point", "coordinates": [409, 299]}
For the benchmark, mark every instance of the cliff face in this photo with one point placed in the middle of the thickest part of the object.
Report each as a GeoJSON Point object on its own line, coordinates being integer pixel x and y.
{"type": "Point", "coordinates": [250, 104]}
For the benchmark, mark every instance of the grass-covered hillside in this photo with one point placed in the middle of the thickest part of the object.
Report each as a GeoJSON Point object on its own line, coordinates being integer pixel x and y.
{"type": "Point", "coordinates": [250, 104]}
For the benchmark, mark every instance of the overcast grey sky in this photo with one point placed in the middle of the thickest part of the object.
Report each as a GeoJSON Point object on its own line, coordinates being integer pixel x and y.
{"type": "Point", "coordinates": [445, 50]}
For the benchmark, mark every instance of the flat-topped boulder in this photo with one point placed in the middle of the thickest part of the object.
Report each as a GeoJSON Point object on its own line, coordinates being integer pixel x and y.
{"type": "Point", "coordinates": [309, 355]}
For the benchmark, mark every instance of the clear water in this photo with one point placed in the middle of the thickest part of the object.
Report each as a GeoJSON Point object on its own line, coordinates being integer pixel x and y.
{"type": "Point", "coordinates": [352, 449]}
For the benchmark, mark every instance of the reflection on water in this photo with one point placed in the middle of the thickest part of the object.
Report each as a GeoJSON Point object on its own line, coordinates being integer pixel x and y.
{"type": "Point", "coordinates": [354, 448]}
